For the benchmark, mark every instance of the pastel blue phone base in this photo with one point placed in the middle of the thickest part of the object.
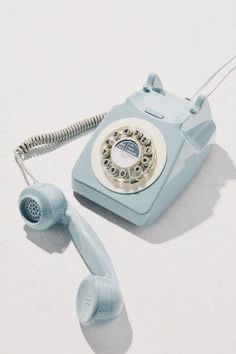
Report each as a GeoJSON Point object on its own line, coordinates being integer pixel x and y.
{"type": "Point", "coordinates": [189, 133]}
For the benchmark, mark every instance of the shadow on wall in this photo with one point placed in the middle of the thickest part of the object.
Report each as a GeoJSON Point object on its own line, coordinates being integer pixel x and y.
{"type": "Point", "coordinates": [111, 338]}
{"type": "Point", "coordinates": [193, 206]}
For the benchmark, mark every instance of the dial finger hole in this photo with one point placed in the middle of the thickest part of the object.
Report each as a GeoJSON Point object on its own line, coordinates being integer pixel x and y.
{"type": "Point", "coordinates": [106, 163]}
{"type": "Point", "coordinates": [128, 132]}
{"type": "Point", "coordinates": [106, 152]}
{"type": "Point", "coordinates": [148, 151]}
{"type": "Point", "coordinates": [138, 171]}
{"type": "Point", "coordinates": [138, 134]}
{"type": "Point", "coordinates": [146, 141]}
{"type": "Point", "coordinates": [123, 173]}
{"type": "Point", "coordinates": [116, 135]}
{"type": "Point", "coordinates": [108, 143]}
{"type": "Point", "coordinates": [113, 171]}
{"type": "Point", "coordinates": [143, 140]}
{"type": "Point", "coordinates": [145, 161]}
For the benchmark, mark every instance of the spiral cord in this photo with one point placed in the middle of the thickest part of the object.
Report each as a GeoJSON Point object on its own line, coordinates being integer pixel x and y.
{"type": "Point", "coordinates": [60, 135]}
{"type": "Point", "coordinates": [53, 138]}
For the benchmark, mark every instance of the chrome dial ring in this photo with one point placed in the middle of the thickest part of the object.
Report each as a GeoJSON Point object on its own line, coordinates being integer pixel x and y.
{"type": "Point", "coordinates": [128, 155]}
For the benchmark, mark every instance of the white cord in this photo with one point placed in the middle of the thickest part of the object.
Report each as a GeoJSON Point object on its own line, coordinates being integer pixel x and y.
{"type": "Point", "coordinates": [234, 67]}
{"type": "Point", "coordinates": [51, 139]}
{"type": "Point", "coordinates": [24, 170]}
{"type": "Point", "coordinates": [76, 129]}
{"type": "Point", "coordinates": [212, 77]}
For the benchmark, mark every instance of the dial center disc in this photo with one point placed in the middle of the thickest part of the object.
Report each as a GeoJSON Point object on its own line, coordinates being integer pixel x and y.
{"type": "Point", "coordinates": [125, 153]}
{"type": "Point", "coordinates": [128, 155]}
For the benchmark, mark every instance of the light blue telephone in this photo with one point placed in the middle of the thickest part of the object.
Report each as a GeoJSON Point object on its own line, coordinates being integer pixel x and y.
{"type": "Point", "coordinates": [146, 150]}
{"type": "Point", "coordinates": [144, 153]}
{"type": "Point", "coordinates": [138, 160]}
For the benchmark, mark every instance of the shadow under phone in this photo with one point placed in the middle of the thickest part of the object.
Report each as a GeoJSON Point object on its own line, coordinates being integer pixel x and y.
{"type": "Point", "coordinates": [191, 208]}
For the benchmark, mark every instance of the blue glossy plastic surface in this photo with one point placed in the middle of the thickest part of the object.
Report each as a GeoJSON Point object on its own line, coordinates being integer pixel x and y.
{"type": "Point", "coordinates": [99, 297]}
{"type": "Point", "coordinates": [189, 132]}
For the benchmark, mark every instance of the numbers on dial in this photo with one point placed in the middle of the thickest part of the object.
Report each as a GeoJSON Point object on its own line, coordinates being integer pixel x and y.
{"type": "Point", "coordinates": [127, 155]}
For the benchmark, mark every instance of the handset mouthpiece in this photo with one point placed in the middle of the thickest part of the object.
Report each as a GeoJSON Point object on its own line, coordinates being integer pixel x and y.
{"type": "Point", "coordinates": [99, 298]}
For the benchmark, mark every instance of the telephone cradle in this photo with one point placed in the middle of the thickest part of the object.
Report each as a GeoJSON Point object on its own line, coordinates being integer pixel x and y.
{"type": "Point", "coordinates": [144, 153]}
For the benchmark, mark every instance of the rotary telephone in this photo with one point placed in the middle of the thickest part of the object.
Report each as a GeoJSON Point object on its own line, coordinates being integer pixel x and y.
{"type": "Point", "coordinates": [144, 153]}
{"type": "Point", "coordinates": [139, 159]}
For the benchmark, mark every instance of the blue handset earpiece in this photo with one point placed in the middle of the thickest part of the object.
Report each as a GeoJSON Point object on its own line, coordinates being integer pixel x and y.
{"type": "Point", "coordinates": [43, 205]}
{"type": "Point", "coordinates": [143, 154]}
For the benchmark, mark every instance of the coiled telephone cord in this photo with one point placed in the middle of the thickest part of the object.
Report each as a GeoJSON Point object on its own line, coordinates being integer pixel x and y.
{"type": "Point", "coordinates": [53, 138]}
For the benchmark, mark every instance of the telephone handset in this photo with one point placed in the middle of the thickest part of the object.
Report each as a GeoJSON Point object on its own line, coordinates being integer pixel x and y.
{"type": "Point", "coordinates": [43, 205]}
{"type": "Point", "coordinates": [139, 159]}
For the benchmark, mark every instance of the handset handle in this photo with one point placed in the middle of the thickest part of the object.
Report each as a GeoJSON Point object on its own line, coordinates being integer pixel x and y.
{"type": "Point", "coordinates": [88, 245]}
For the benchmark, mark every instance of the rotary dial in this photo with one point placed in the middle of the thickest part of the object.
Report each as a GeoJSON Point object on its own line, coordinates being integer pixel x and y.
{"type": "Point", "coordinates": [127, 155]}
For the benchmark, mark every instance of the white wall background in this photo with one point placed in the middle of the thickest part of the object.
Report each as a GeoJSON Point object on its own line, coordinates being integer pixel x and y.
{"type": "Point", "coordinates": [64, 60]}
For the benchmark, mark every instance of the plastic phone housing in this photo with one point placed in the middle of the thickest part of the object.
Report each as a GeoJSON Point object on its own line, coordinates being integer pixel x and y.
{"type": "Point", "coordinates": [189, 133]}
